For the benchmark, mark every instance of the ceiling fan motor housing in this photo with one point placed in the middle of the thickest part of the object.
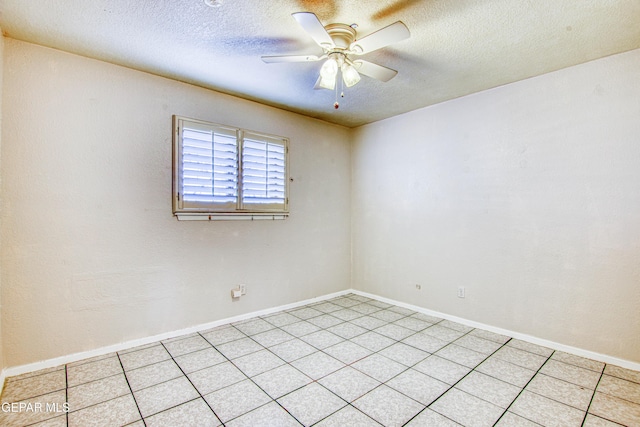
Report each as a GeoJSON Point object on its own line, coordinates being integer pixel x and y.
{"type": "Point", "coordinates": [342, 35]}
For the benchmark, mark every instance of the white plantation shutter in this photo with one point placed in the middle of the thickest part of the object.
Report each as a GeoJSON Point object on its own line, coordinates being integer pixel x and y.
{"type": "Point", "coordinates": [215, 174]}
{"type": "Point", "coordinates": [263, 172]}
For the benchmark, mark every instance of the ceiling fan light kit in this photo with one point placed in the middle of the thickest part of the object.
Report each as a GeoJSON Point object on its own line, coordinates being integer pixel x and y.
{"type": "Point", "coordinates": [339, 43]}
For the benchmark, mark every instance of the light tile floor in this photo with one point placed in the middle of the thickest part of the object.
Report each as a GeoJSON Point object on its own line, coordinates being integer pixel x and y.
{"type": "Point", "coordinates": [349, 361]}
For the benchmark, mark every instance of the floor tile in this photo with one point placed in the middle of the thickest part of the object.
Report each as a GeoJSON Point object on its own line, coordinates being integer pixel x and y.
{"type": "Point", "coordinates": [253, 326]}
{"type": "Point", "coordinates": [429, 418]}
{"type": "Point", "coordinates": [140, 358]}
{"type": "Point", "coordinates": [625, 374]}
{"type": "Point", "coordinates": [98, 391]}
{"type": "Point", "coordinates": [404, 354]}
{"type": "Point", "coordinates": [491, 336]}
{"type": "Point", "coordinates": [272, 337]}
{"type": "Point", "coordinates": [119, 411]}
{"type": "Point", "coordinates": [461, 355]}
{"type": "Point", "coordinates": [509, 419]}
{"type": "Point", "coordinates": [365, 308]}
{"type": "Point", "coordinates": [478, 344]}
{"type": "Point", "coordinates": [328, 307]}
{"type": "Point", "coordinates": [520, 357]}
{"type": "Point", "coordinates": [373, 341]}
{"type": "Point", "coordinates": [488, 388]}
{"type": "Point", "coordinates": [379, 367]}
{"type": "Point", "coordinates": [165, 395]}
{"type": "Point", "coordinates": [394, 332]}
{"type": "Point", "coordinates": [360, 298]}
{"type": "Point", "coordinates": [466, 409]}
{"type": "Point", "coordinates": [311, 403]}
{"type": "Point", "coordinates": [317, 365]}
{"type": "Point", "coordinates": [582, 362]}
{"type": "Point", "coordinates": [402, 310]}
{"type": "Point", "coordinates": [300, 328]}
{"type": "Point", "coordinates": [235, 400]}
{"type": "Point", "coordinates": [561, 391]}
{"type": "Point", "coordinates": [368, 322]}
{"type": "Point", "coordinates": [387, 406]}
{"type": "Point", "coordinates": [222, 335]}
{"type": "Point", "coordinates": [56, 401]}
{"type": "Point", "coordinates": [189, 345]}
{"type": "Point", "coordinates": [593, 421]}
{"type": "Point", "coordinates": [445, 334]}
{"type": "Point", "coordinates": [37, 385]}
{"type": "Point", "coordinates": [412, 323]}
{"type": "Point", "coordinates": [620, 388]}
{"type": "Point", "coordinates": [442, 369]}
{"type": "Point", "coordinates": [426, 318]}
{"type": "Point", "coordinates": [325, 321]}
{"type": "Point", "coordinates": [153, 374]}
{"type": "Point", "coordinates": [349, 383]}
{"type": "Point", "coordinates": [195, 413]}
{"type": "Point", "coordinates": [346, 314]}
{"type": "Point", "coordinates": [347, 330]}
{"type": "Point", "coordinates": [79, 374]}
{"type": "Point", "coordinates": [269, 415]}
{"type": "Point", "coordinates": [418, 386]}
{"type": "Point", "coordinates": [505, 371]}
{"type": "Point", "coordinates": [257, 363]}
{"type": "Point", "coordinates": [59, 421]}
{"type": "Point", "coordinates": [321, 339]}
{"type": "Point", "coordinates": [347, 352]}
{"type": "Point", "coordinates": [239, 348]}
{"type": "Point", "coordinates": [380, 304]}
{"type": "Point", "coordinates": [348, 417]}
{"type": "Point", "coordinates": [614, 409]}
{"type": "Point", "coordinates": [425, 342]}
{"type": "Point", "coordinates": [292, 350]}
{"type": "Point", "coordinates": [345, 302]}
{"type": "Point", "coordinates": [545, 411]}
{"type": "Point", "coordinates": [281, 319]}
{"type": "Point", "coordinates": [305, 313]}
{"type": "Point", "coordinates": [531, 348]}
{"type": "Point", "coordinates": [387, 315]}
{"type": "Point", "coordinates": [199, 360]}
{"type": "Point", "coordinates": [455, 326]}
{"type": "Point", "coordinates": [282, 380]}
{"type": "Point", "coordinates": [571, 373]}
{"type": "Point", "coordinates": [216, 377]}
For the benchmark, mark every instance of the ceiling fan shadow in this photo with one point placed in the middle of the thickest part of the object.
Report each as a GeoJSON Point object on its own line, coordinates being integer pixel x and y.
{"type": "Point", "coordinates": [326, 10]}
{"type": "Point", "coordinates": [396, 8]}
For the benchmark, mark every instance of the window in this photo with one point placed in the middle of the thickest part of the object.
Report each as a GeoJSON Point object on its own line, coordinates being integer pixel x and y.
{"type": "Point", "coordinates": [220, 172]}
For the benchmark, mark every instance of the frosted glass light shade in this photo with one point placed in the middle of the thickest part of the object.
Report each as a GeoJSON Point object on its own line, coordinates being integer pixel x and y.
{"type": "Point", "coordinates": [349, 75]}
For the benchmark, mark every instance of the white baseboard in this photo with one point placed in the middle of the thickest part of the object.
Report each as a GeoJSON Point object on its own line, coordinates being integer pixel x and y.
{"type": "Point", "coordinates": [49, 363]}
{"type": "Point", "coordinates": [62, 360]}
{"type": "Point", "coordinates": [524, 337]}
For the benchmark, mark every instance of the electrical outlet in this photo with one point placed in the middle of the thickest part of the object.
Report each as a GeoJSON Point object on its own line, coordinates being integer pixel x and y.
{"type": "Point", "coordinates": [460, 291]}
{"type": "Point", "coordinates": [418, 287]}
{"type": "Point", "coordinates": [243, 289]}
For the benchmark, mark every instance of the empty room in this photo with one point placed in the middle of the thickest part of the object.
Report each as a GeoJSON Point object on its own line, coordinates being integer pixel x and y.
{"type": "Point", "coordinates": [320, 213]}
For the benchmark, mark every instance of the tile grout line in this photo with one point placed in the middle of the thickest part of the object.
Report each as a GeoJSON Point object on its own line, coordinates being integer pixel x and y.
{"type": "Point", "coordinates": [522, 390]}
{"type": "Point", "coordinates": [129, 385]}
{"type": "Point", "coordinates": [586, 412]}
{"type": "Point", "coordinates": [463, 377]}
{"type": "Point", "coordinates": [190, 382]}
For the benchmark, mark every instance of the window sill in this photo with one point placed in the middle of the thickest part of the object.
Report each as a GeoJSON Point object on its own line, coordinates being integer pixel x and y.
{"type": "Point", "coordinates": [231, 217]}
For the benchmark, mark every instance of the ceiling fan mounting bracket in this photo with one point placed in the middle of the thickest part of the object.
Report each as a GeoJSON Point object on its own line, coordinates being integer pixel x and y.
{"type": "Point", "coordinates": [342, 35]}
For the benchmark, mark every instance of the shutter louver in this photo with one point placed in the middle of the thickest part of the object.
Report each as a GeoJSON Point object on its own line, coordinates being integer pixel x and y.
{"type": "Point", "coordinates": [209, 167]}
{"type": "Point", "coordinates": [263, 174]}
{"type": "Point", "coordinates": [224, 172]}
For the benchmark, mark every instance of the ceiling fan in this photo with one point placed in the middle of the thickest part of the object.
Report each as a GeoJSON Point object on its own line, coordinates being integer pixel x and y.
{"type": "Point", "coordinates": [341, 50]}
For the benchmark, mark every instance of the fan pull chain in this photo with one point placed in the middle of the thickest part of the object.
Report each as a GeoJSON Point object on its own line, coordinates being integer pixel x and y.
{"type": "Point", "coordinates": [336, 105]}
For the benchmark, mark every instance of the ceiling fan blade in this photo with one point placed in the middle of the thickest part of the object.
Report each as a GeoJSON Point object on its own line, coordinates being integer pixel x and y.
{"type": "Point", "coordinates": [381, 38]}
{"type": "Point", "coordinates": [375, 71]}
{"type": "Point", "coordinates": [312, 25]}
{"type": "Point", "coordinates": [290, 58]}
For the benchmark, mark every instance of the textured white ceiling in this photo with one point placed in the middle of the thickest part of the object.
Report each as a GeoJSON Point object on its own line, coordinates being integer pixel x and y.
{"type": "Point", "coordinates": [457, 47]}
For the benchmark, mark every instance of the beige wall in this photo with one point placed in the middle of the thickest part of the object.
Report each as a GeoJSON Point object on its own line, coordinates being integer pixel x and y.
{"type": "Point", "coordinates": [2, 365]}
{"type": "Point", "coordinates": [528, 195]}
{"type": "Point", "coordinates": [91, 253]}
